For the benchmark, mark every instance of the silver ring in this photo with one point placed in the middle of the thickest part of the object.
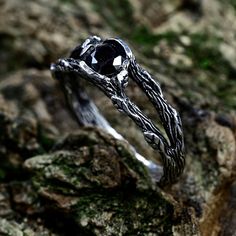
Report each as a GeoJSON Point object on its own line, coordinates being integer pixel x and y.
{"type": "Point", "coordinates": [108, 64]}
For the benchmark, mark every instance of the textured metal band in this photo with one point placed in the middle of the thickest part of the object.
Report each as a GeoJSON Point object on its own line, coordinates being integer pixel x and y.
{"type": "Point", "coordinates": [69, 71]}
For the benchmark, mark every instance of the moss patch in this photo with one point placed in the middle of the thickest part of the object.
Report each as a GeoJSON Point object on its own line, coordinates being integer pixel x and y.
{"type": "Point", "coordinates": [116, 13]}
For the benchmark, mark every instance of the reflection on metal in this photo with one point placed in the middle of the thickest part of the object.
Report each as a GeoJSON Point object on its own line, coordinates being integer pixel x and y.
{"type": "Point", "coordinates": [108, 64]}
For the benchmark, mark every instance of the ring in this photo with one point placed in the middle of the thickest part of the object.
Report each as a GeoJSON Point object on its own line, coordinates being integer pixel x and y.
{"type": "Point", "coordinates": [109, 64]}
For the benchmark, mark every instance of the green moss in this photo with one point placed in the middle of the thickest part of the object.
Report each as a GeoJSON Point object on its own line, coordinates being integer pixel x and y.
{"type": "Point", "coordinates": [2, 174]}
{"type": "Point", "coordinates": [11, 55]}
{"type": "Point", "coordinates": [146, 40]}
{"type": "Point", "coordinates": [154, 213]}
{"type": "Point", "coordinates": [46, 143]}
{"type": "Point", "coordinates": [232, 3]}
{"type": "Point", "coordinates": [132, 162]}
{"type": "Point", "coordinates": [67, 1]}
{"type": "Point", "coordinates": [141, 35]}
{"type": "Point", "coordinates": [45, 140]}
{"type": "Point", "coordinates": [116, 13]}
{"type": "Point", "coordinates": [206, 57]}
{"type": "Point", "coordinates": [227, 93]}
{"type": "Point", "coordinates": [11, 58]}
{"type": "Point", "coordinates": [205, 54]}
{"type": "Point", "coordinates": [219, 80]}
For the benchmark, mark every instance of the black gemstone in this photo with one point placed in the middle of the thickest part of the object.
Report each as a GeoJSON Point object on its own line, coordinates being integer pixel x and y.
{"type": "Point", "coordinates": [106, 58]}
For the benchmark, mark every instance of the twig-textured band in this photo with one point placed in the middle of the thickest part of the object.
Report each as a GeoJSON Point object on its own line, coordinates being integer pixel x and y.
{"type": "Point", "coordinates": [108, 64]}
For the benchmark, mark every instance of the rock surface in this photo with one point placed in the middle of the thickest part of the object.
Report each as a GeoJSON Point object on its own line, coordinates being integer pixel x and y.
{"type": "Point", "coordinates": [95, 181]}
{"type": "Point", "coordinates": [59, 179]}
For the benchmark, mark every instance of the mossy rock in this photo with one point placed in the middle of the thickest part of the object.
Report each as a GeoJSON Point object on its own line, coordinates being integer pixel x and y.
{"type": "Point", "coordinates": [103, 189]}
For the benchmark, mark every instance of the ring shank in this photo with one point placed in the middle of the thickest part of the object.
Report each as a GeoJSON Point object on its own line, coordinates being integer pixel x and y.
{"type": "Point", "coordinates": [86, 113]}
{"type": "Point", "coordinates": [171, 148]}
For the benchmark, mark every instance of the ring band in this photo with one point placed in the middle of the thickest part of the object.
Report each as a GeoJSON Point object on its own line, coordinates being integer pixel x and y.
{"type": "Point", "coordinates": [108, 64]}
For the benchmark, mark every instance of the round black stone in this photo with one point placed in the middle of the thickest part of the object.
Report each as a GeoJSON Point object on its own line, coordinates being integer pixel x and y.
{"type": "Point", "coordinates": [106, 58]}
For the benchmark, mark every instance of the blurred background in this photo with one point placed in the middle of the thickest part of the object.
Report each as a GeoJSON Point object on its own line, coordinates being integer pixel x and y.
{"type": "Point", "coordinates": [189, 46]}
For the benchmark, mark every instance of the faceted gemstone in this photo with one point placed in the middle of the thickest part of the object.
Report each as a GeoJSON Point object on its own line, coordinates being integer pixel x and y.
{"type": "Point", "coordinates": [106, 58]}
